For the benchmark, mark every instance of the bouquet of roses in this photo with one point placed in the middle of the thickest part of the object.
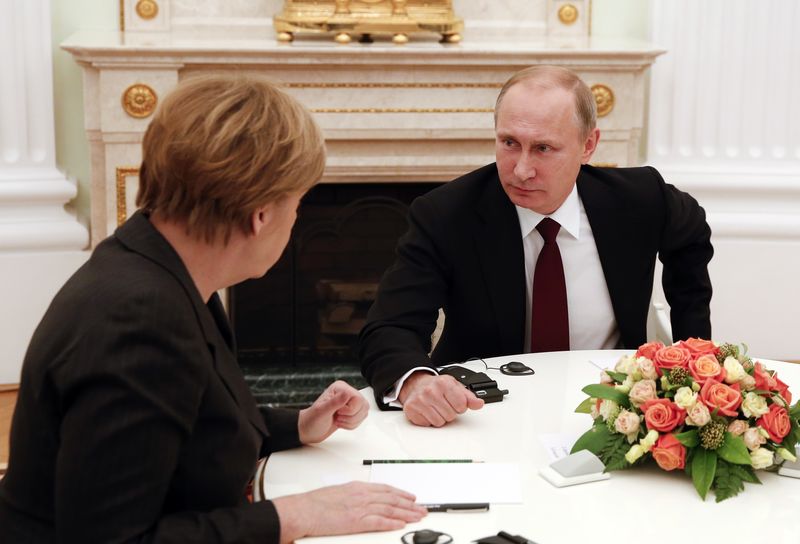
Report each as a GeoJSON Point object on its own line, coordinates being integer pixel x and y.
{"type": "Point", "coordinates": [706, 408]}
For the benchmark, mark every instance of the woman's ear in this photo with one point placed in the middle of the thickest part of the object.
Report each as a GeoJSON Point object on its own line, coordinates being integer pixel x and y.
{"type": "Point", "coordinates": [259, 220]}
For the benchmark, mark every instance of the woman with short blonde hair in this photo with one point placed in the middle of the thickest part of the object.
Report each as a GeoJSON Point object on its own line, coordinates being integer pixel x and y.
{"type": "Point", "coordinates": [133, 421]}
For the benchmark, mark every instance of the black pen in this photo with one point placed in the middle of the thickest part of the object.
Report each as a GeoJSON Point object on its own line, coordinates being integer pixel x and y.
{"type": "Point", "coordinates": [390, 461]}
{"type": "Point", "coordinates": [460, 507]}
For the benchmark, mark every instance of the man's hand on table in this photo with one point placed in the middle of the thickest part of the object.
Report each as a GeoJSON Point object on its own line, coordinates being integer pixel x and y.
{"type": "Point", "coordinates": [356, 507]}
{"type": "Point", "coordinates": [430, 400]}
{"type": "Point", "coordinates": [340, 406]}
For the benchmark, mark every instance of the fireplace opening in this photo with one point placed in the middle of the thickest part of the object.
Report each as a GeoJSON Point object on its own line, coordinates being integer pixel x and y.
{"type": "Point", "coordinates": [296, 328]}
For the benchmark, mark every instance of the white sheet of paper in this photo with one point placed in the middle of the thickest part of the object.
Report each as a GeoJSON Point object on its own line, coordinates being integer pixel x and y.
{"type": "Point", "coordinates": [437, 483]}
{"type": "Point", "coordinates": [558, 445]}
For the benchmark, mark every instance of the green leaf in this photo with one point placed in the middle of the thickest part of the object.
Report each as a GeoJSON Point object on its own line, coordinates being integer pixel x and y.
{"type": "Point", "coordinates": [733, 450]}
{"type": "Point", "coordinates": [690, 439]}
{"type": "Point", "coordinates": [618, 377]}
{"type": "Point", "coordinates": [593, 440]}
{"type": "Point", "coordinates": [607, 392]}
{"type": "Point", "coordinates": [613, 453]}
{"type": "Point", "coordinates": [727, 482]}
{"type": "Point", "coordinates": [585, 407]}
{"type": "Point", "coordinates": [794, 411]}
{"type": "Point", "coordinates": [745, 473]}
{"type": "Point", "coordinates": [704, 466]}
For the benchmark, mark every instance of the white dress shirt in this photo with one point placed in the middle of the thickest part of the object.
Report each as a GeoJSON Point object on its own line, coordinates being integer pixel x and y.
{"type": "Point", "coordinates": [591, 317]}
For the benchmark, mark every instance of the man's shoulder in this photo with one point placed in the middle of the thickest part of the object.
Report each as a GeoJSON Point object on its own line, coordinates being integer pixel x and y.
{"type": "Point", "coordinates": [622, 177]}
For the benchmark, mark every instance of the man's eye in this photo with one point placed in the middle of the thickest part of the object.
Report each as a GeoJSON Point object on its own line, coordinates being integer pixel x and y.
{"type": "Point", "coordinates": [509, 143]}
{"type": "Point", "coordinates": [543, 148]}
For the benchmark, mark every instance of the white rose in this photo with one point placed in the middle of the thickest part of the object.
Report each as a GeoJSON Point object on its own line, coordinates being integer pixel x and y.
{"type": "Point", "coordinates": [628, 424]}
{"type": "Point", "coordinates": [608, 407]}
{"type": "Point", "coordinates": [748, 383]}
{"type": "Point", "coordinates": [761, 458]}
{"type": "Point", "coordinates": [647, 368]}
{"type": "Point", "coordinates": [685, 397]}
{"type": "Point", "coordinates": [634, 453]}
{"type": "Point", "coordinates": [625, 386]}
{"type": "Point", "coordinates": [753, 438]}
{"type": "Point", "coordinates": [737, 427]}
{"type": "Point", "coordinates": [626, 364]}
{"type": "Point", "coordinates": [698, 415]}
{"type": "Point", "coordinates": [734, 371]}
{"type": "Point", "coordinates": [649, 440]}
{"type": "Point", "coordinates": [642, 391]}
{"type": "Point", "coordinates": [754, 405]}
{"type": "Point", "coordinates": [787, 455]}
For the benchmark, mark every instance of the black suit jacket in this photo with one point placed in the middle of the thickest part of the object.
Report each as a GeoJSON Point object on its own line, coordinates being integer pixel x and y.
{"type": "Point", "coordinates": [134, 423]}
{"type": "Point", "coordinates": [463, 253]}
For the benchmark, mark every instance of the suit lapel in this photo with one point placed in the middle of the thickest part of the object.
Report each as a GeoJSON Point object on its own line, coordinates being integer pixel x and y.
{"type": "Point", "coordinates": [606, 215]}
{"type": "Point", "coordinates": [139, 235]}
{"type": "Point", "coordinates": [498, 243]}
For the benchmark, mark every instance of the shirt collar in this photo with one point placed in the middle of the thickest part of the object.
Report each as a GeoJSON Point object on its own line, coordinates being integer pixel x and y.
{"type": "Point", "coordinates": [568, 215]}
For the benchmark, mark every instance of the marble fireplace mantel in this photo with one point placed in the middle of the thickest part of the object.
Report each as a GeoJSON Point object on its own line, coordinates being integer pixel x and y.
{"type": "Point", "coordinates": [418, 112]}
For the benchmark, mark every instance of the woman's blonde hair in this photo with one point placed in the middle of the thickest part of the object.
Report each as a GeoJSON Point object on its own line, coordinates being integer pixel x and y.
{"type": "Point", "coordinates": [548, 76]}
{"type": "Point", "coordinates": [222, 146]}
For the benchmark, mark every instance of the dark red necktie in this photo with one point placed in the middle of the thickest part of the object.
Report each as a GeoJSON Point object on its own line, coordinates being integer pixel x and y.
{"type": "Point", "coordinates": [549, 315]}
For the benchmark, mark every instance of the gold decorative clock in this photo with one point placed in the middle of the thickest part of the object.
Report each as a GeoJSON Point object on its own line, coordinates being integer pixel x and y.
{"type": "Point", "coordinates": [348, 18]}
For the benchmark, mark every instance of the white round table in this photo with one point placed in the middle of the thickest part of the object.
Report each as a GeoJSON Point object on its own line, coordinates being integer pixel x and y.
{"type": "Point", "coordinates": [638, 505]}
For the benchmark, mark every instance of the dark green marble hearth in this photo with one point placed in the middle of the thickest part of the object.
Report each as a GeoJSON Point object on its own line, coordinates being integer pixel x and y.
{"type": "Point", "coordinates": [296, 386]}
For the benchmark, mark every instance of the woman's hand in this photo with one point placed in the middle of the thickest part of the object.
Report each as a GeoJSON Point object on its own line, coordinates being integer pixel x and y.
{"type": "Point", "coordinates": [340, 406]}
{"type": "Point", "coordinates": [356, 507]}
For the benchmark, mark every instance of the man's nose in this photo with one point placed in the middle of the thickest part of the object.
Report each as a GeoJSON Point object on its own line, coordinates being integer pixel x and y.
{"type": "Point", "coordinates": [525, 167]}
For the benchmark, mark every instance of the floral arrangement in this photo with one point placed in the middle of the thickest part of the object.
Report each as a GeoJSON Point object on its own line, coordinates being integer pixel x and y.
{"type": "Point", "coordinates": [705, 408]}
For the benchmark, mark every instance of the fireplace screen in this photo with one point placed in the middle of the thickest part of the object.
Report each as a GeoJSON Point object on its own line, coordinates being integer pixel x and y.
{"type": "Point", "coordinates": [310, 307]}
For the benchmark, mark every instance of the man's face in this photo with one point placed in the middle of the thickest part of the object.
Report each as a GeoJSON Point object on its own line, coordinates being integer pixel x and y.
{"type": "Point", "coordinates": [539, 146]}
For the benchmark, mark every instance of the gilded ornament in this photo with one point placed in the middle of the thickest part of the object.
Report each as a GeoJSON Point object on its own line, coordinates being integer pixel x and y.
{"type": "Point", "coordinates": [139, 100]}
{"type": "Point", "coordinates": [604, 98]}
{"type": "Point", "coordinates": [347, 20]}
{"type": "Point", "coordinates": [122, 200]}
{"type": "Point", "coordinates": [147, 9]}
{"type": "Point", "coordinates": [568, 14]}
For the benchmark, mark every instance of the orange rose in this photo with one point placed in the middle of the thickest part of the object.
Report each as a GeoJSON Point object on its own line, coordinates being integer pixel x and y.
{"type": "Point", "coordinates": [726, 399]}
{"type": "Point", "coordinates": [776, 423]}
{"type": "Point", "coordinates": [765, 381]}
{"type": "Point", "coordinates": [662, 415]}
{"type": "Point", "coordinates": [783, 389]}
{"type": "Point", "coordinates": [649, 350]}
{"type": "Point", "coordinates": [698, 347]}
{"type": "Point", "coordinates": [670, 357]}
{"type": "Point", "coordinates": [706, 367]}
{"type": "Point", "coordinates": [669, 453]}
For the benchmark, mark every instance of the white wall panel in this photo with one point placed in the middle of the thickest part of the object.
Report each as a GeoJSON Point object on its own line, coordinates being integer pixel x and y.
{"type": "Point", "coordinates": [724, 125]}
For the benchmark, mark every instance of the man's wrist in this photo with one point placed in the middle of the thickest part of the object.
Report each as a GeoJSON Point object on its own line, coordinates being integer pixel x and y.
{"type": "Point", "coordinates": [410, 384]}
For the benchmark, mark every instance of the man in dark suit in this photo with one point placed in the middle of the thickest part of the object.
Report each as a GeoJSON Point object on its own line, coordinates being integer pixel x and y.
{"type": "Point", "coordinates": [478, 248]}
{"type": "Point", "coordinates": [134, 423]}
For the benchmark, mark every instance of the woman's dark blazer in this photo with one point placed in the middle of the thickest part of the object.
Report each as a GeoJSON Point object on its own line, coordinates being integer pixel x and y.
{"type": "Point", "coordinates": [134, 423]}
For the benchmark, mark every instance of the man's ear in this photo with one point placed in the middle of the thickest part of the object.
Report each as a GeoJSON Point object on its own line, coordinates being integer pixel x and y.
{"type": "Point", "coordinates": [590, 145]}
